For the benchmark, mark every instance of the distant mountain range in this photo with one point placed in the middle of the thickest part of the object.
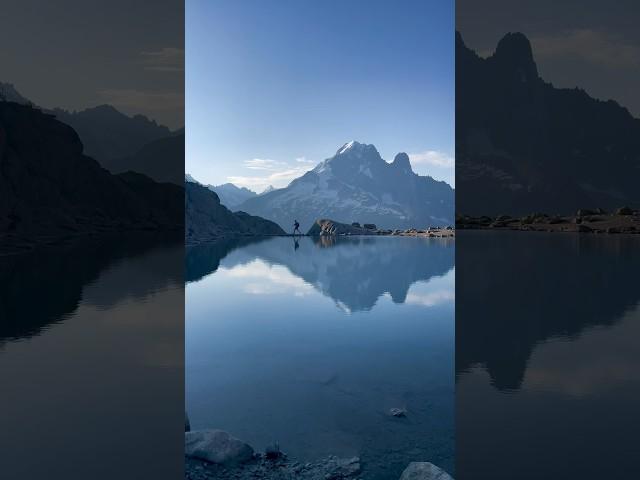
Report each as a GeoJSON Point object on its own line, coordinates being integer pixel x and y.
{"type": "Point", "coordinates": [523, 145]}
{"type": "Point", "coordinates": [119, 142]}
{"type": "Point", "coordinates": [231, 196]}
{"type": "Point", "coordinates": [357, 185]}
{"type": "Point", "coordinates": [49, 188]}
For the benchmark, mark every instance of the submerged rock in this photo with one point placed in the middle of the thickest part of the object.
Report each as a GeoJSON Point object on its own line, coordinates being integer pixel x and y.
{"type": "Point", "coordinates": [424, 471]}
{"type": "Point", "coordinates": [216, 446]}
{"type": "Point", "coordinates": [398, 412]}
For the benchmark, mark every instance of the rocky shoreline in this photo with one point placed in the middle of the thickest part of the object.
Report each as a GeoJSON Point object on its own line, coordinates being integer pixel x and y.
{"type": "Point", "coordinates": [326, 227]}
{"type": "Point", "coordinates": [214, 454]}
{"type": "Point", "coordinates": [623, 221]}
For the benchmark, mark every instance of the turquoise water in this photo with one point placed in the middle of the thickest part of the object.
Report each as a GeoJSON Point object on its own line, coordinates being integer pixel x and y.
{"type": "Point", "coordinates": [310, 343]}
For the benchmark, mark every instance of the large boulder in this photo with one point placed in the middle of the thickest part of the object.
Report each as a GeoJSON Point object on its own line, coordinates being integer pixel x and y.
{"type": "Point", "coordinates": [325, 226]}
{"type": "Point", "coordinates": [424, 471]}
{"type": "Point", "coordinates": [216, 446]}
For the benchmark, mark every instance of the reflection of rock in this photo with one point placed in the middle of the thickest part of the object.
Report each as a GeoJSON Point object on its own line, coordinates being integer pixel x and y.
{"type": "Point", "coordinates": [424, 471]}
{"type": "Point", "coordinates": [216, 446]}
{"type": "Point", "coordinates": [64, 275]}
{"type": "Point", "coordinates": [354, 272]}
{"type": "Point", "coordinates": [540, 286]}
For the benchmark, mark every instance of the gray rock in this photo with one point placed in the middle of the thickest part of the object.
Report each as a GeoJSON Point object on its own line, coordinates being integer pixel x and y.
{"type": "Point", "coordinates": [624, 211]}
{"type": "Point", "coordinates": [216, 446]}
{"type": "Point", "coordinates": [343, 467]}
{"type": "Point", "coordinates": [424, 471]}
{"type": "Point", "coordinates": [398, 412]}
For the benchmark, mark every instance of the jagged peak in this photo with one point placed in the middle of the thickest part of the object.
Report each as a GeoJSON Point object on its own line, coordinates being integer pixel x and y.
{"type": "Point", "coordinates": [401, 161]}
{"type": "Point", "coordinates": [355, 147]}
{"type": "Point", "coordinates": [514, 50]}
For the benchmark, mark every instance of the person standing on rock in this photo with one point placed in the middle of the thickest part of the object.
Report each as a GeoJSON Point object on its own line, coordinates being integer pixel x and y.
{"type": "Point", "coordinates": [296, 227]}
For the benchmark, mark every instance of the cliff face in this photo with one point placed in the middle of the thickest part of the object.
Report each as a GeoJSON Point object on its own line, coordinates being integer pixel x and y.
{"type": "Point", "coordinates": [49, 188]}
{"type": "Point", "coordinates": [207, 219]}
{"type": "Point", "coordinates": [523, 145]}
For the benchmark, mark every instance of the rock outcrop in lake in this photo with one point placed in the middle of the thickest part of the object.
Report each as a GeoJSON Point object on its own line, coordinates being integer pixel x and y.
{"type": "Point", "coordinates": [207, 219]}
{"type": "Point", "coordinates": [523, 145]}
{"type": "Point", "coordinates": [356, 184]}
{"type": "Point", "coordinates": [49, 188]}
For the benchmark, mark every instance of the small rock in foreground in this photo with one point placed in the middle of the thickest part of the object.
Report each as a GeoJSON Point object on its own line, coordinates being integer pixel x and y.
{"type": "Point", "coordinates": [424, 471]}
{"type": "Point", "coordinates": [216, 446]}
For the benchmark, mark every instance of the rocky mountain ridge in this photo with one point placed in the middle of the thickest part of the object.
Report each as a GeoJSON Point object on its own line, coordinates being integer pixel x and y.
{"type": "Point", "coordinates": [357, 184]}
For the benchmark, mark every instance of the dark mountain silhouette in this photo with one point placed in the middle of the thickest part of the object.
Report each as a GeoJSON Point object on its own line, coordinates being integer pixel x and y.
{"type": "Point", "coordinates": [206, 219]}
{"type": "Point", "coordinates": [523, 145]}
{"type": "Point", "coordinates": [162, 160]}
{"type": "Point", "coordinates": [357, 185]}
{"type": "Point", "coordinates": [109, 135]}
{"type": "Point", "coordinates": [121, 143]}
{"type": "Point", "coordinates": [539, 286]}
{"type": "Point", "coordinates": [50, 189]}
{"type": "Point", "coordinates": [8, 93]}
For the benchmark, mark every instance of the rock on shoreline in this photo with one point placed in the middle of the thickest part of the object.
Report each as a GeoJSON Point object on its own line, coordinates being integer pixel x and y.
{"type": "Point", "coordinates": [214, 454]}
{"type": "Point", "coordinates": [325, 227]}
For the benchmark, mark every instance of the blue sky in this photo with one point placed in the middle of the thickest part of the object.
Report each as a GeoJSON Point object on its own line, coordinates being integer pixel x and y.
{"type": "Point", "coordinates": [274, 87]}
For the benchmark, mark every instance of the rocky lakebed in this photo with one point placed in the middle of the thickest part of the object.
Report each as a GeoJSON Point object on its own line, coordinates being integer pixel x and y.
{"type": "Point", "coordinates": [215, 454]}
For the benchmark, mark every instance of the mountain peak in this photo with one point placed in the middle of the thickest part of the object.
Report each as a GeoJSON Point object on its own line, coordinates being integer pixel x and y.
{"type": "Point", "coordinates": [348, 146]}
{"type": "Point", "coordinates": [356, 148]}
{"type": "Point", "coordinates": [514, 50]}
{"type": "Point", "coordinates": [401, 161]}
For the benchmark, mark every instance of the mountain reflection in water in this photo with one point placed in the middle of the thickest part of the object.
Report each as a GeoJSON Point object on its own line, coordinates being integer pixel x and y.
{"type": "Point", "coordinates": [310, 342]}
{"type": "Point", "coordinates": [91, 359]}
{"type": "Point", "coordinates": [547, 328]}
{"type": "Point", "coordinates": [353, 271]}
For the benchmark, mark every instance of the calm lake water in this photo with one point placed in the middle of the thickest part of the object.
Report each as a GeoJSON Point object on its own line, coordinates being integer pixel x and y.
{"type": "Point", "coordinates": [547, 356]}
{"type": "Point", "coordinates": [310, 343]}
{"type": "Point", "coordinates": [91, 361]}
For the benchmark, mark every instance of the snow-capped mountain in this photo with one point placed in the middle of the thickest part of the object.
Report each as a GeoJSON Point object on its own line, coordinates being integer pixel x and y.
{"type": "Point", "coordinates": [357, 185]}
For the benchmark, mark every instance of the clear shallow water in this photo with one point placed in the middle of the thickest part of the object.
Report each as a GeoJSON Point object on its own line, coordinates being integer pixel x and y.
{"type": "Point", "coordinates": [547, 357]}
{"type": "Point", "coordinates": [91, 361]}
{"type": "Point", "coordinates": [310, 345]}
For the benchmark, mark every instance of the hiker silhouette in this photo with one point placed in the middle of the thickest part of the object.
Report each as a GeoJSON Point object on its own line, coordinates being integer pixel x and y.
{"type": "Point", "coordinates": [296, 227]}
